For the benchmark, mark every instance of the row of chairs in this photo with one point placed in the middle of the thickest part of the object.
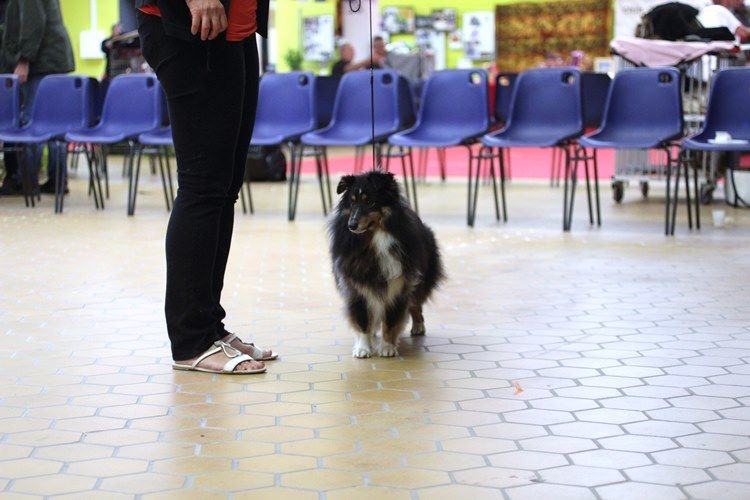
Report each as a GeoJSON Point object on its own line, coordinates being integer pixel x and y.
{"type": "Point", "coordinates": [353, 123]}
{"type": "Point", "coordinates": [546, 108]}
{"type": "Point", "coordinates": [132, 113]}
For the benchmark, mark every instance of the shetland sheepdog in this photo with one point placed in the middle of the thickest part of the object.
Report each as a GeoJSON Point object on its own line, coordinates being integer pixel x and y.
{"type": "Point", "coordinates": [385, 260]}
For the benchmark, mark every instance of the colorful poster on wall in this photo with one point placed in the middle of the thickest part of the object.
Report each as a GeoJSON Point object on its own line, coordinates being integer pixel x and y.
{"type": "Point", "coordinates": [479, 35]}
{"type": "Point", "coordinates": [397, 20]}
{"type": "Point", "coordinates": [317, 38]}
{"type": "Point", "coordinates": [444, 19]}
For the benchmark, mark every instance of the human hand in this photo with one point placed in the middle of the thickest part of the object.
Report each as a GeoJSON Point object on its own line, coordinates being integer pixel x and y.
{"type": "Point", "coordinates": [22, 70]}
{"type": "Point", "coordinates": [209, 18]}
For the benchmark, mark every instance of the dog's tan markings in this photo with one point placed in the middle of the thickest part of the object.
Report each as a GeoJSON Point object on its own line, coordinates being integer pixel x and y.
{"type": "Point", "coordinates": [375, 218]}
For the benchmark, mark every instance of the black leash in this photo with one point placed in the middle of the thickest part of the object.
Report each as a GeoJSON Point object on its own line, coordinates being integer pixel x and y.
{"type": "Point", "coordinates": [356, 6]}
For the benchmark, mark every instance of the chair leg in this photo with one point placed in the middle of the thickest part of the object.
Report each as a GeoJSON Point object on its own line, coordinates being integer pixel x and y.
{"type": "Point", "coordinates": [327, 174]}
{"type": "Point", "coordinates": [668, 198]}
{"type": "Point", "coordinates": [697, 199]}
{"type": "Point", "coordinates": [413, 182]}
{"type": "Point", "coordinates": [293, 179]}
{"type": "Point", "coordinates": [134, 176]}
{"type": "Point", "coordinates": [162, 174]}
{"type": "Point", "coordinates": [105, 170]}
{"type": "Point", "coordinates": [407, 188]}
{"type": "Point", "coordinates": [477, 179]}
{"type": "Point", "coordinates": [91, 161]}
{"type": "Point", "coordinates": [676, 199]}
{"type": "Point", "coordinates": [493, 178]}
{"type": "Point", "coordinates": [571, 175]}
{"type": "Point", "coordinates": [242, 199]}
{"type": "Point", "coordinates": [596, 188]}
{"type": "Point", "coordinates": [60, 177]}
{"type": "Point", "coordinates": [688, 198]}
{"type": "Point", "coordinates": [441, 160]}
{"type": "Point", "coordinates": [250, 198]}
{"type": "Point", "coordinates": [470, 191]}
{"type": "Point", "coordinates": [588, 189]}
{"type": "Point", "coordinates": [501, 159]}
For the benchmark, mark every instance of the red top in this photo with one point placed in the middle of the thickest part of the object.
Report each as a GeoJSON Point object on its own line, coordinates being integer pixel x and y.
{"type": "Point", "coordinates": [241, 21]}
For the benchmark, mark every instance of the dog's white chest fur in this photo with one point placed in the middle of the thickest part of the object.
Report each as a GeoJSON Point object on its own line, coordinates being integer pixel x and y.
{"type": "Point", "coordinates": [383, 243]}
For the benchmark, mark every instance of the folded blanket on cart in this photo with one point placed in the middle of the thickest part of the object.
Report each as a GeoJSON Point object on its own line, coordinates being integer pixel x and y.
{"type": "Point", "coordinates": [653, 53]}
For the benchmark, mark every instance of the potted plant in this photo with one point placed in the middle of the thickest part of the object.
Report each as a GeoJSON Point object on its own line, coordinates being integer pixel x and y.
{"type": "Point", "coordinates": [293, 58]}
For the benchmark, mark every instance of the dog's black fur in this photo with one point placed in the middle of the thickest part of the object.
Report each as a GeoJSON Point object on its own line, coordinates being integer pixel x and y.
{"type": "Point", "coordinates": [385, 260]}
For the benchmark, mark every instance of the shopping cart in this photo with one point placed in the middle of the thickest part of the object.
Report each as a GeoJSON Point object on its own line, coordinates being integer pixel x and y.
{"type": "Point", "coordinates": [697, 62]}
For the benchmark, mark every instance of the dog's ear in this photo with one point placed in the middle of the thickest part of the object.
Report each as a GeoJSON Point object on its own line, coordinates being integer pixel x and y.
{"type": "Point", "coordinates": [345, 183]}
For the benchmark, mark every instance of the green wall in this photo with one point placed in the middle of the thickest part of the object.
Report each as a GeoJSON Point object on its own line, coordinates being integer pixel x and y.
{"type": "Point", "coordinates": [288, 24]}
{"type": "Point", "coordinates": [76, 17]}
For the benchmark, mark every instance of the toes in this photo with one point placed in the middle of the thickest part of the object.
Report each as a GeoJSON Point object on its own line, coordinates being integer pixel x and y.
{"type": "Point", "coordinates": [361, 353]}
{"type": "Point", "coordinates": [388, 351]}
{"type": "Point", "coordinates": [246, 366]}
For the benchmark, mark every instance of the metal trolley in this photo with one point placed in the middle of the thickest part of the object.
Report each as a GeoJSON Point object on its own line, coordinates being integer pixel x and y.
{"type": "Point", "coordinates": [697, 62]}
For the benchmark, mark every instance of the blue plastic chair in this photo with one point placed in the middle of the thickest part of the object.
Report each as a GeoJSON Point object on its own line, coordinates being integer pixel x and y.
{"type": "Point", "coordinates": [594, 90]}
{"type": "Point", "coordinates": [352, 120]}
{"type": "Point", "coordinates": [277, 124]}
{"type": "Point", "coordinates": [132, 106]}
{"type": "Point", "coordinates": [454, 112]}
{"type": "Point", "coordinates": [643, 111]}
{"type": "Point", "coordinates": [62, 105]}
{"type": "Point", "coordinates": [545, 111]}
{"type": "Point", "coordinates": [728, 111]}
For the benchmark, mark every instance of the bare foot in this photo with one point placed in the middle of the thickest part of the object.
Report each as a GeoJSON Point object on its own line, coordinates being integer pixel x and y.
{"type": "Point", "coordinates": [247, 348]}
{"type": "Point", "coordinates": [216, 362]}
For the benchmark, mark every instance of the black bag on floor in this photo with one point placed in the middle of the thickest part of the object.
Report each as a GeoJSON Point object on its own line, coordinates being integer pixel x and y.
{"type": "Point", "coordinates": [265, 163]}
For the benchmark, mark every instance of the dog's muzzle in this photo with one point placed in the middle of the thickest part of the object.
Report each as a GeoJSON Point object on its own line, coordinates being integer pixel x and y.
{"type": "Point", "coordinates": [357, 223]}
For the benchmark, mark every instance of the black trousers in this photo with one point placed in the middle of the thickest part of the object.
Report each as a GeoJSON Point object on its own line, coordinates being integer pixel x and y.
{"type": "Point", "coordinates": [212, 93]}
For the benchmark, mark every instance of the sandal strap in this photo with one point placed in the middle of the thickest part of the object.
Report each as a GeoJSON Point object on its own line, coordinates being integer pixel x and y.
{"type": "Point", "coordinates": [257, 351]}
{"type": "Point", "coordinates": [229, 351]}
{"type": "Point", "coordinates": [230, 338]}
{"type": "Point", "coordinates": [230, 365]}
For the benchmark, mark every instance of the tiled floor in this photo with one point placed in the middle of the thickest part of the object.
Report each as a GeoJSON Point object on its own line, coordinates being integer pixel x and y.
{"type": "Point", "coordinates": [604, 363]}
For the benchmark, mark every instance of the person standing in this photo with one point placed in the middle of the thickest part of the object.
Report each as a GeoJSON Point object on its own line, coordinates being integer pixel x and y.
{"type": "Point", "coordinates": [205, 56]}
{"type": "Point", "coordinates": [35, 44]}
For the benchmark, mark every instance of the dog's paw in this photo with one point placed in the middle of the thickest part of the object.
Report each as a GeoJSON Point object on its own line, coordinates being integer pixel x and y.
{"type": "Point", "coordinates": [388, 350]}
{"type": "Point", "coordinates": [360, 352]}
{"type": "Point", "coordinates": [417, 329]}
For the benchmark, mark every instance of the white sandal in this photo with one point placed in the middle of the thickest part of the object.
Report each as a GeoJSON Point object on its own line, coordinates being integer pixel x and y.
{"type": "Point", "coordinates": [257, 353]}
{"type": "Point", "coordinates": [234, 355]}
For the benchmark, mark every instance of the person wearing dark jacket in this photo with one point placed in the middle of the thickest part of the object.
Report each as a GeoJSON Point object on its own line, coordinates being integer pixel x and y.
{"type": "Point", "coordinates": [205, 56]}
{"type": "Point", "coordinates": [35, 44]}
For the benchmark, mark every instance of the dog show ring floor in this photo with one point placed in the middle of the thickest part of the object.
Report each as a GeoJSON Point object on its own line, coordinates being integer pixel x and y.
{"type": "Point", "coordinates": [604, 363]}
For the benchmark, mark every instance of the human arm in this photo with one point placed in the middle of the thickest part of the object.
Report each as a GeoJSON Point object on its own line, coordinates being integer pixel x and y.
{"type": "Point", "coordinates": [208, 18]}
{"type": "Point", "coordinates": [743, 33]}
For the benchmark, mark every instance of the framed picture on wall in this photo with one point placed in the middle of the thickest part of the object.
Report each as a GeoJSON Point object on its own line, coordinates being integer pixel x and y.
{"type": "Point", "coordinates": [397, 20]}
{"type": "Point", "coordinates": [444, 19]}
{"type": "Point", "coordinates": [317, 38]}
{"type": "Point", "coordinates": [423, 22]}
{"type": "Point", "coordinates": [479, 35]}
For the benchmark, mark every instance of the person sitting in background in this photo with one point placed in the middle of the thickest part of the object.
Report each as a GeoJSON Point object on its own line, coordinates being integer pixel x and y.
{"type": "Point", "coordinates": [720, 15]}
{"type": "Point", "coordinates": [346, 62]}
{"type": "Point", "coordinates": [379, 53]}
